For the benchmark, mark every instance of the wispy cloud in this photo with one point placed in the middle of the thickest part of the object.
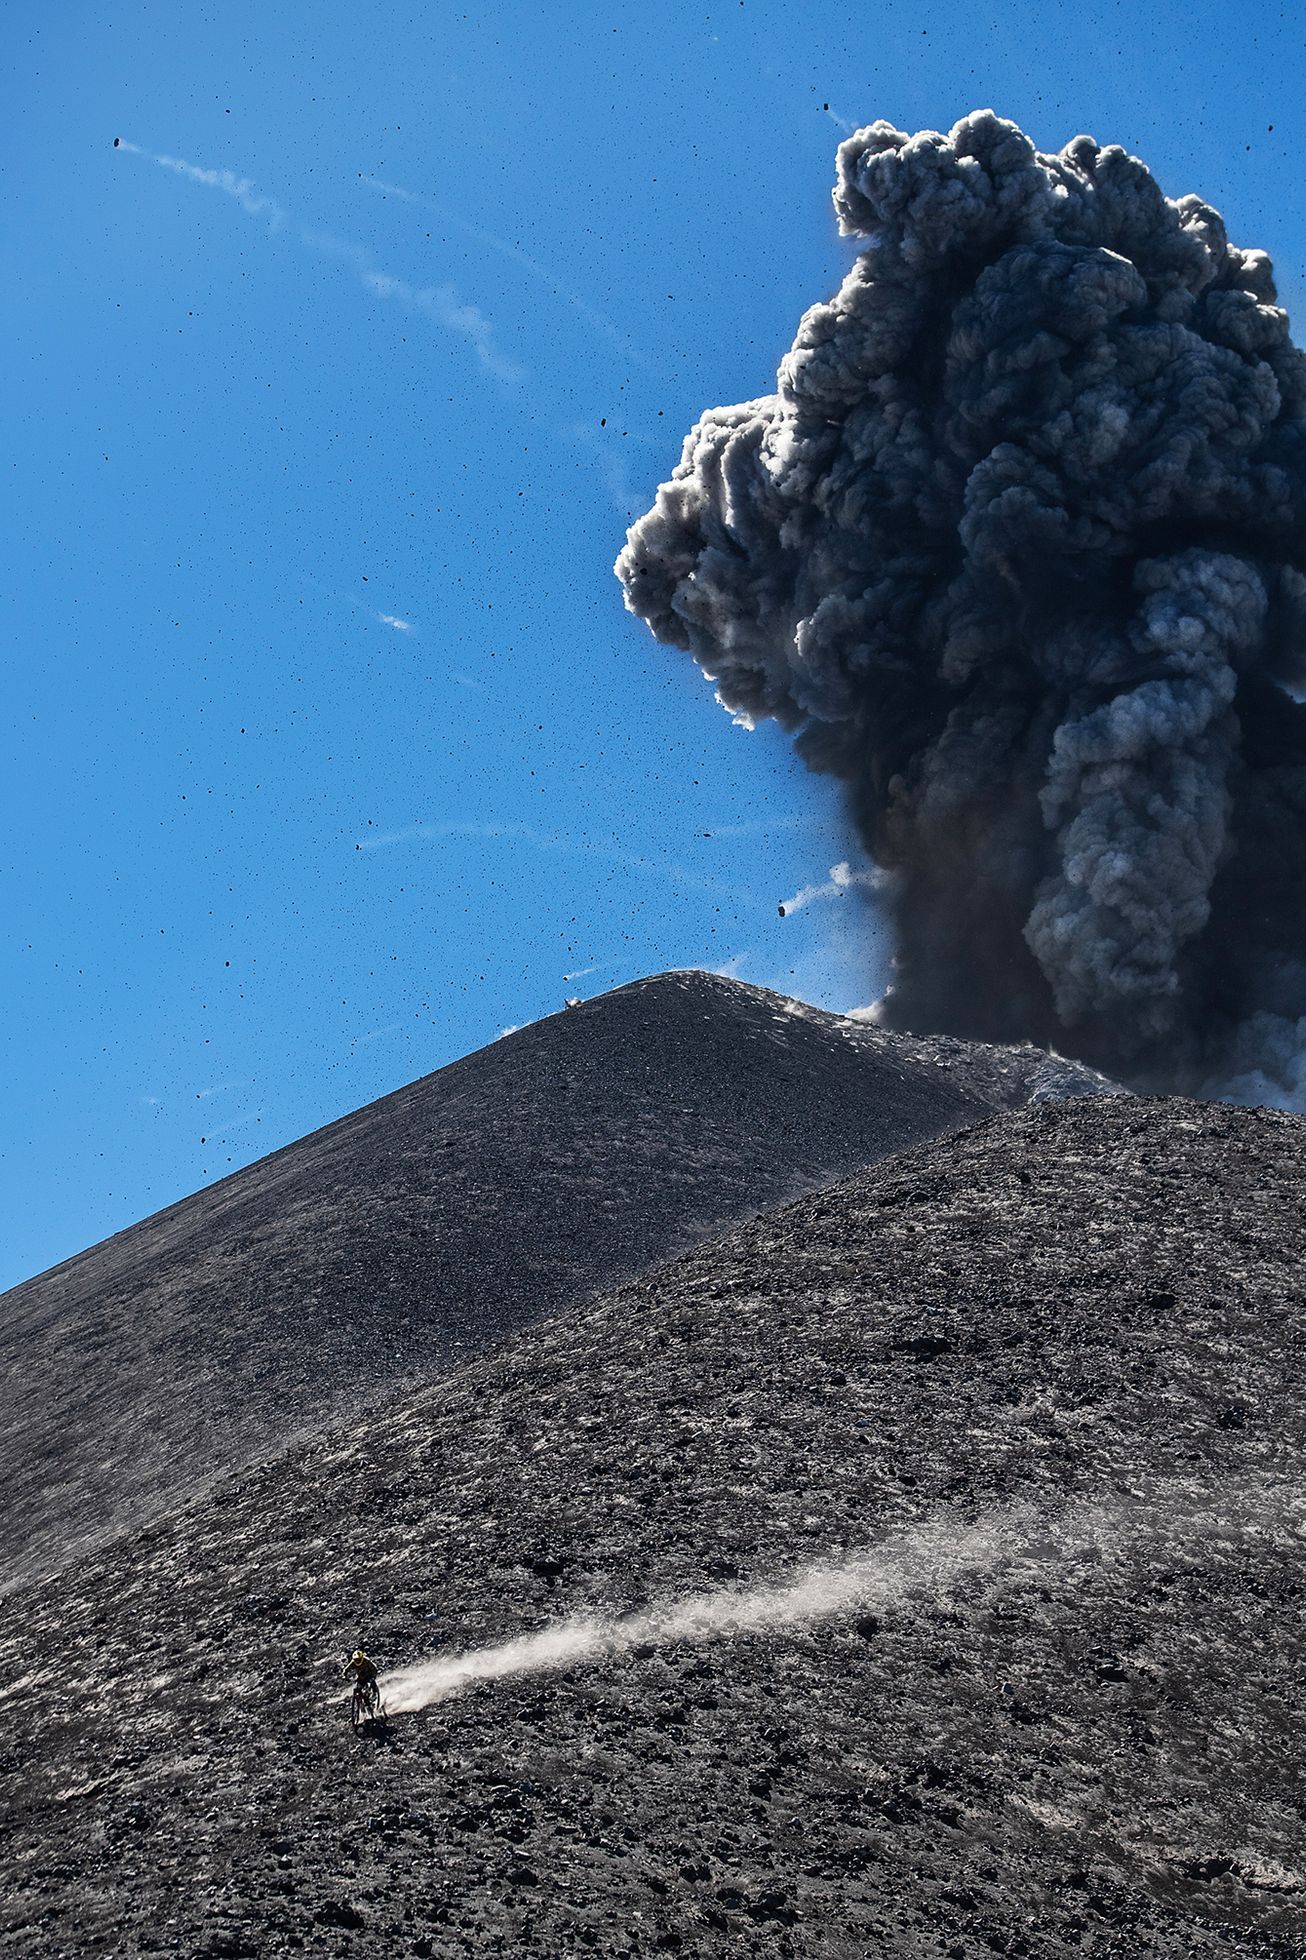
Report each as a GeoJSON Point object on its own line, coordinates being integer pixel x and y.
{"type": "Point", "coordinates": [241, 188]}
{"type": "Point", "coordinates": [395, 621]}
{"type": "Point", "coordinates": [663, 869]}
{"type": "Point", "coordinates": [237, 1123]}
{"type": "Point", "coordinates": [841, 880]}
{"type": "Point", "coordinates": [377, 1034]}
{"type": "Point", "coordinates": [612, 464]}
{"type": "Point", "coordinates": [440, 304]}
{"type": "Point", "coordinates": [730, 969]}
{"type": "Point", "coordinates": [508, 250]}
{"type": "Point", "coordinates": [762, 826]}
{"type": "Point", "coordinates": [600, 966]}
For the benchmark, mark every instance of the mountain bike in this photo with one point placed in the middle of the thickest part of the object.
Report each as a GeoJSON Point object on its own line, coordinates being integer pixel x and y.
{"type": "Point", "coordinates": [365, 1705]}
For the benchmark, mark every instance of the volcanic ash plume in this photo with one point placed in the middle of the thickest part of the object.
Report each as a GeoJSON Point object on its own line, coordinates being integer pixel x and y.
{"type": "Point", "coordinates": [1018, 549]}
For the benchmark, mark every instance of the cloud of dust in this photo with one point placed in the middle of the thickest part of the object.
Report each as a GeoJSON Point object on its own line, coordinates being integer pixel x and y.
{"type": "Point", "coordinates": [932, 1559]}
{"type": "Point", "coordinates": [1016, 1543]}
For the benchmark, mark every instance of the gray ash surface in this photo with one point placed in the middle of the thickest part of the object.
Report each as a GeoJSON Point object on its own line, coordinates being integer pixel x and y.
{"type": "Point", "coordinates": [1076, 1331]}
{"type": "Point", "coordinates": [541, 1170]}
{"type": "Point", "coordinates": [1001, 1076]}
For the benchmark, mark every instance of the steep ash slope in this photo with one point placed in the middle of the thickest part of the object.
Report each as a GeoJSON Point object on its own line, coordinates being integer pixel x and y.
{"type": "Point", "coordinates": [533, 1173]}
{"type": "Point", "coordinates": [1090, 1740]}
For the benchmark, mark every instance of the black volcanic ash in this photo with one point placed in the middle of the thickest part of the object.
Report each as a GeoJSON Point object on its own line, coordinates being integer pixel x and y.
{"type": "Point", "coordinates": [585, 1148]}
{"type": "Point", "coordinates": [1092, 1743]}
{"type": "Point", "coordinates": [1017, 549]}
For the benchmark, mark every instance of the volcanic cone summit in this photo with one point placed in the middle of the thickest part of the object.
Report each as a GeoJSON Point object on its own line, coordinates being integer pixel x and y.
{"type": "Point", "coordinates": [429, 1225]}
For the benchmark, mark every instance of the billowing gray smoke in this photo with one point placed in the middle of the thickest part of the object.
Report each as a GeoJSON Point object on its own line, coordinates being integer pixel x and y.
{"type": "Point", "coordinates": [1018, 549]}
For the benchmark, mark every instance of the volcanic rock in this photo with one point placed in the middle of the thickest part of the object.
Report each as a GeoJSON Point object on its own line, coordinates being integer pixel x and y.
{"type": "Point", "coordinates": [1042, 1380]}
{"type": "Point", "coordinates": [428, 1225]}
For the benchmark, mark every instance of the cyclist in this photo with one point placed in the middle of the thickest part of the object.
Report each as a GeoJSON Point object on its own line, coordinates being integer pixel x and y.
{"type": "Point", "coordinates": [364, 1671]}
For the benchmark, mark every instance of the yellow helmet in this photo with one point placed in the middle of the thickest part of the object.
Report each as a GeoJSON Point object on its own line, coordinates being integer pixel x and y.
{"type": "Point", "coordinates": [358, 1655]}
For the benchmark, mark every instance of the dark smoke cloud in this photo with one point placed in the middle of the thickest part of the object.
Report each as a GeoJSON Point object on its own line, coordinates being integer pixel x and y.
{"type": "Point", "coordinates": [1018, 549]}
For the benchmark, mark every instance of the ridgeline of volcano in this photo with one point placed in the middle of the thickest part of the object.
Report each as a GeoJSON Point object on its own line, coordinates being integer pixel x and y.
{"type": "Point", "coordinates": [428, 1225]}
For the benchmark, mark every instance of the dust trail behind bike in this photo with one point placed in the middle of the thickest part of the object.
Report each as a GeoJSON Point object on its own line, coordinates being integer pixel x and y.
{"type": "Point", "coordinates": [1012, 1546]}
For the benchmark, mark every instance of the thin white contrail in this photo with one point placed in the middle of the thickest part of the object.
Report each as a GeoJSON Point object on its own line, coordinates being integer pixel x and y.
{"type": "Point", "coordinates": [932, 1560]}
{"type": "Point", "coordinates": [842, 879]}
{"type": "Point", "coordinates": [440, 303]}
{"type": "Point", "coordinates": [679, 876]}
{"type": "Point", "coordinates": [395, 621]}
{"type": "Point", "coordinates": [241, 188]}
{"type": "Point", "coordinates": [514, 252]}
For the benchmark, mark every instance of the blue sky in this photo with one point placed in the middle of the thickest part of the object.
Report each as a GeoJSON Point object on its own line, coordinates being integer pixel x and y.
{"type": "Point", "coordinates": [331, 752]}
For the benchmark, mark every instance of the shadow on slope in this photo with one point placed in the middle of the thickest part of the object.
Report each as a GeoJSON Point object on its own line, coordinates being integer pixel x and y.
{"type": "Point", "coordinates": [1071, 1739]}
{"type": "Point", "coordinates": [543, 1169]}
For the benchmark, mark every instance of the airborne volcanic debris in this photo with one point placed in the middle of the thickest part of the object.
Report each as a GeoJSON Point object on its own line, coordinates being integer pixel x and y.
{"type": "Point", "coordinates": [1017, 548]}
